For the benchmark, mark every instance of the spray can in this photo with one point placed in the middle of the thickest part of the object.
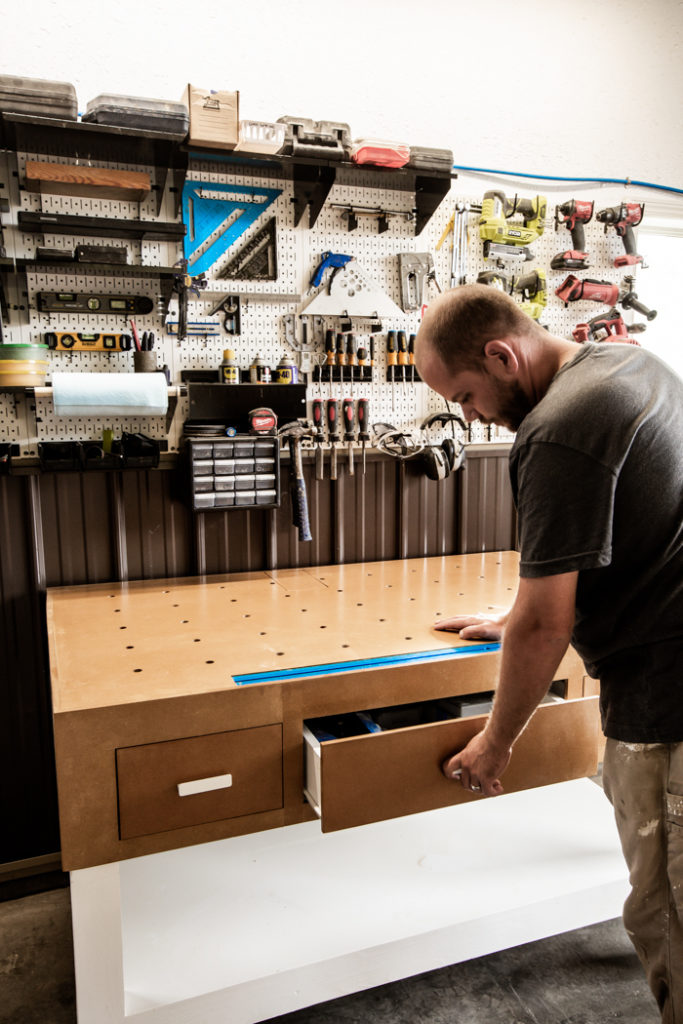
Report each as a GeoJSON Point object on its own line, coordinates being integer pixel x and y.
{"type": "Point", "coordinates": [230, 371]}
{"type": "Point", "coordinates": [286, 372]}
{"type": "Point", "coordinates": [259, 372]}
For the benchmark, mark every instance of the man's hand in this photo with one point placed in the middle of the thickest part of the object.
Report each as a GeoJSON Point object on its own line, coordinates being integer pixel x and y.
{"type": "Point", "coordinates": [478, 766]}
{"type": "Point", "coordinates": [475, 627]}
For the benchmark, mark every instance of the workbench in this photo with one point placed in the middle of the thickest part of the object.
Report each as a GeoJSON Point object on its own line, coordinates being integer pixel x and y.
{"type": "Point", "coordinates": [186, 717]}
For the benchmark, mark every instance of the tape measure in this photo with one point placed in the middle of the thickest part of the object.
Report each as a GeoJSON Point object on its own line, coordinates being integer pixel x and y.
{"type": "Point", "coordinates": [64, 302]}
{"type": "Point", "coordinates": [65, 341]}
{"type": "Point", "coordinates": [262, 421]}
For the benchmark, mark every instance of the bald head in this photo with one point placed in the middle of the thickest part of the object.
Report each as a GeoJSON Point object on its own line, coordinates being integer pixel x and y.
{"type": "Point", "coordinates": [459, 323]}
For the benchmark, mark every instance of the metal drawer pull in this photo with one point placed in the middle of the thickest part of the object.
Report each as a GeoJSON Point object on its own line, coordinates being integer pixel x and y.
{"type": "Point", "coordinates": [204, 785]}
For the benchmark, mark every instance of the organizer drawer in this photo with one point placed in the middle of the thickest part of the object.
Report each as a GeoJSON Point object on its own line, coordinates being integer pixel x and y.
{"type": "Point", "coordinates": [184, 782]}
{"type": "Point", "coordinates": [386, 774]}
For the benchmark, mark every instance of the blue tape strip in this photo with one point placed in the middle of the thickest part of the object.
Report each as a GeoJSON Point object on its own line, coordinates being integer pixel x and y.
{"type": "Point", "coordinates": [390, 661]}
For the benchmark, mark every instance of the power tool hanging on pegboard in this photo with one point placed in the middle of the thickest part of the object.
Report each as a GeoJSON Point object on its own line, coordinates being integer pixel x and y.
{"type": "Point", "coordinates": [531, 286]}
{"type": "Point", "coordinates": [573, 214]}
{"type": "Point", "coordinates": [533, 289]}
{"type": "Point", "coordinates": [624, 218]}
{"type": "Point", "coordinates": [494, 279]}
{"type": "Point", "coordinates": [503, 238]}
{"type": "Point", "coordinates": [573, 289]}
{"type": "Point", "coordinates": [608, 326]}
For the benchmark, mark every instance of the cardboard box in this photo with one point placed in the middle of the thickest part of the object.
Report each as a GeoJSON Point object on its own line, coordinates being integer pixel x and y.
{"type": "Point", "coordinates": [214, 117]}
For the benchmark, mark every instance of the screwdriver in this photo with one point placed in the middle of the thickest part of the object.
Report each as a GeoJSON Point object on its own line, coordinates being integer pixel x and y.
{"type": "Point", "coordinates": [362, 361]}
{"type": "Point", "coordinates": [351, 356]}
{"type": "Point", "coordinates": [403, 356]}
{"type": "Point", "coordinates": [341, 358]}
{"type": "Point", "coordinates": [391, 361]}
{"type": "Point", "coordinates": [411, 357]}
{"type": "Point", "coordinates": [363, 432]}
{"type": "Point", "coordinates": [331, 352]}
{"type": "Point", "coordinates": [318, 427]}
{"type": "Point", "coordinates": [348, 416]}
{"type": "Point", "coordinates": [372, 353]}
{"type": "Point", "coordinates": [332, 435]}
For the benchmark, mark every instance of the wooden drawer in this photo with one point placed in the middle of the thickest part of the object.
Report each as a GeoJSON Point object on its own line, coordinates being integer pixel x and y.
{"type": "Point", "coordinates": [361, 779]}
{"type": "Point", "coordinates": [186, 782]}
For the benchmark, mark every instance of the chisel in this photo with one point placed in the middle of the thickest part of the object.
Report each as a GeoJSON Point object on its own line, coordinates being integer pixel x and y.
{"type": "Point", "coordinates": [318, 427]}
{"type": "Point", "coordinates": [332, 435]}
{"type": "Point", "coordinates": [349, 437]}
{"type": "Point", "coordinates": [363, 432]}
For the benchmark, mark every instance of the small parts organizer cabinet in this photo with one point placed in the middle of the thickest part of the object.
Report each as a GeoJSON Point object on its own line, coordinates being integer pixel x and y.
{"type": "Point", "coordinates": [238, 471]}
{"type": "Point", "coordinates": [188, 712]}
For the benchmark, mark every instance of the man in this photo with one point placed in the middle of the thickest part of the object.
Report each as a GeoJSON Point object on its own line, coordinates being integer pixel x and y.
{"type": "Point", "coordinates": [597, 477]}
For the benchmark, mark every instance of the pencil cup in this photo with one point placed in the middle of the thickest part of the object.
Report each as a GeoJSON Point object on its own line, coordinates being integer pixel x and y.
{"type": "Point", "coordinates": [145, 362]}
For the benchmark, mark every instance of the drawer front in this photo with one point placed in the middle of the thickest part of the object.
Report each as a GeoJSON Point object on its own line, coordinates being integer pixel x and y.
{"type": "Point", "coordinates": [389, 774]}
{"type": "Point", "coordinates": [185, 782]}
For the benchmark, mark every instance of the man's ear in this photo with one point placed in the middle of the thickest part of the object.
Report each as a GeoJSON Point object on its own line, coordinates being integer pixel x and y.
{"type": "Point", "coordinates": [500, 359]}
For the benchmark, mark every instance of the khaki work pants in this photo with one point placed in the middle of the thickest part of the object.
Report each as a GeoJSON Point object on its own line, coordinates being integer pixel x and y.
{"type": "Point", "coordinates": [644, 783]}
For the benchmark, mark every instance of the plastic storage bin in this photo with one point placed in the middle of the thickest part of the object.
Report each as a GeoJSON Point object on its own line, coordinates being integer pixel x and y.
{"type": "Point", "coordinates": [138, 112]}
{"type": "Point", "coordinates": [38, 96]}
{"type": "Point", "coordinates": [261, 137]}
{"type": "Point", "coordinates": [380, 153]}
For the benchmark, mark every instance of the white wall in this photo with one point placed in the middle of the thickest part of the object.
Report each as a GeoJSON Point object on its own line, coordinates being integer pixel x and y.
{"type": "Point", "coordinates": [591, 88]}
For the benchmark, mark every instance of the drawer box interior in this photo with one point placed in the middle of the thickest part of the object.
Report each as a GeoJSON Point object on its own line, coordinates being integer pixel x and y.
{"type": "Point", "coordinates": [382, 763]}
{"type": "Point", "coordinates": [191, 781]}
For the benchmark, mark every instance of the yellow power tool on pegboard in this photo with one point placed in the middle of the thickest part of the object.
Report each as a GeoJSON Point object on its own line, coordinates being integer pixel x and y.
{"type": "Point", "coordinates": [503, 238]}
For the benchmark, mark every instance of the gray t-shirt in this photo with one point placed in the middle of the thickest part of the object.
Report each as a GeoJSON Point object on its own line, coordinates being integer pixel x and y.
{"type": "Point", "coordinates": [597, 477]}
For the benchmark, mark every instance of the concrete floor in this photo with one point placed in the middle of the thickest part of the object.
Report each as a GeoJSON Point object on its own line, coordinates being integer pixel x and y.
{"type": "Point", "coordinates": [589, 976]}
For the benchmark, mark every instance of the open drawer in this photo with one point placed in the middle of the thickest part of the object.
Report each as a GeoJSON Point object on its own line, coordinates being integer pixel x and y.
{"type": "Point", "coordinates": [385, 774]}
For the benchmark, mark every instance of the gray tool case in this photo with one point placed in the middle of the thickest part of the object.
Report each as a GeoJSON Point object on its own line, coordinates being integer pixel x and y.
{"type": "Point", "coordinates": [425, 159]}
{"type": "Point", "coordinates": [138, 112]}
{"type": "Point", "coordinates": [330, 140]}
{"type": "Point", "coordinates": [38, 97]}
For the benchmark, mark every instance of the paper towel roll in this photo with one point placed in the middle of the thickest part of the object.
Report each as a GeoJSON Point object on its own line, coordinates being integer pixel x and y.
{"type": "Point", "coordinates": [109, 394]}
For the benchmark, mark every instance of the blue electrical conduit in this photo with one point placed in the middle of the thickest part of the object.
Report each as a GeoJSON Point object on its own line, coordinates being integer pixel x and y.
{"type": "Point", "coordinates": [550, 177]}
{"type": "Point", "coordinates": [389, 661]}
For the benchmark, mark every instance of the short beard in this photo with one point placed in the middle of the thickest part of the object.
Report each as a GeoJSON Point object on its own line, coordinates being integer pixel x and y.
{"type": "Point", "coordinates": [513, 405]}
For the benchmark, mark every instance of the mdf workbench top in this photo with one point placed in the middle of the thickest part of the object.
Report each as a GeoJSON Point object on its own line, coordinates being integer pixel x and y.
{"type": "Point", "coordinates": [183, 708]}
{"type": "Point", "coordinates": [113, 644]}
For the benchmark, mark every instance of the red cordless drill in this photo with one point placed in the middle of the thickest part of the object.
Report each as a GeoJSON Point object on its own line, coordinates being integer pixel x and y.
{"type": "Point", "coordinates": [607, 327]}
{"type": "Point", "coordinates": [575, 213]}
{"type": "Point", "coordinates": [624, 218]}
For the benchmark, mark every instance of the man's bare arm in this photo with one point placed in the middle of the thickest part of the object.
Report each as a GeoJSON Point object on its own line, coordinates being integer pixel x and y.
{"type": "Point", "coordinates": [536, 637]}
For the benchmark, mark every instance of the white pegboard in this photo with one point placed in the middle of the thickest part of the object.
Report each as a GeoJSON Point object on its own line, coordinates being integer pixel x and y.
{"type": "Point", "coordinates": [299, 249]}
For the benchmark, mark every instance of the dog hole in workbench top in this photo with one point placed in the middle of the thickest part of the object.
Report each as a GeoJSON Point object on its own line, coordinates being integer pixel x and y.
{"type": "Point", "coordinates": [123, 627]}
{"type": "Point", "coordinates": [130, 647]}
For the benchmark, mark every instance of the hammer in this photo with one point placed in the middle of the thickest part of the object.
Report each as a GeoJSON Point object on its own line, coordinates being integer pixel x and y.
{"type": "Point", "coordinates": [294, 432]}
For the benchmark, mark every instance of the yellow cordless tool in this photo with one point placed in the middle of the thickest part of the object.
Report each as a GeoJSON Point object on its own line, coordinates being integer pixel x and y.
{"type": "Point", "coordinates": [503, 238]}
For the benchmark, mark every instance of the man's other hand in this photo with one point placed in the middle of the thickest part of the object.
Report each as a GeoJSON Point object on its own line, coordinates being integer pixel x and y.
{"type": "Point", "coordinates": [474, 627]}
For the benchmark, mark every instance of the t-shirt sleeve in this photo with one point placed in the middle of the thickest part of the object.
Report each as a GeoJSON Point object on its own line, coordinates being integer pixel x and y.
{"type": "Point", "coordinates": [565, 505]}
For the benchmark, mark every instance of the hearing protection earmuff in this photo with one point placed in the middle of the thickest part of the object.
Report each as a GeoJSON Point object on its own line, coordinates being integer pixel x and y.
{"type": "Point", "coordinates": [440, 460]}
